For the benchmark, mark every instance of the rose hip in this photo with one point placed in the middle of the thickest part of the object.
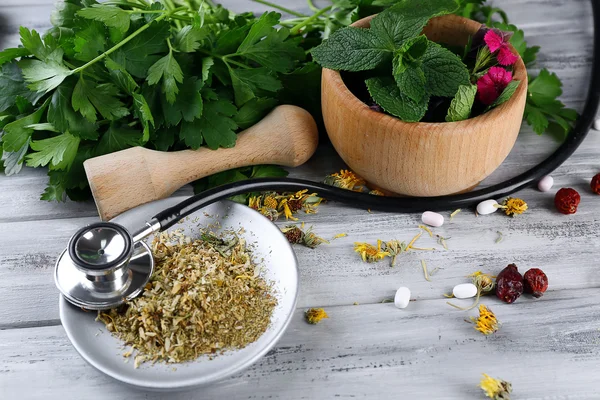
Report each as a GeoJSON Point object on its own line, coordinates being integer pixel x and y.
{"type": "Point", "coordinates": [567, 200]}
{"type": "Point", "coordinates": [595, 184]}
{"type": "Point", "coordinates": [536, 282]}
{"type": "Point", "coordinates": [509, 284]}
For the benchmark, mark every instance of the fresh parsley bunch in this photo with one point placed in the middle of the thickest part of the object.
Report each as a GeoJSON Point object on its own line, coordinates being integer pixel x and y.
{"type": "Point", "coordinates": [165, 75]}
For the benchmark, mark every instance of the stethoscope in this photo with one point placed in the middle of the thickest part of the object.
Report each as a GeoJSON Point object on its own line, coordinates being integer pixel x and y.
{"type": "Point", "coordinates": [105, 264]}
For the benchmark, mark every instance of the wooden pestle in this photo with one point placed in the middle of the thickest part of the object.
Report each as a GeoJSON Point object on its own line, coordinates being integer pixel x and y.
{"type": "Point", "coordinates": [125, 179]}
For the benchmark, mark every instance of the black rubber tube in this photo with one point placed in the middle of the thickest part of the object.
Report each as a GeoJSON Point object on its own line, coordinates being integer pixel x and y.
{"type": "Point", "coordinates": [171, 215]}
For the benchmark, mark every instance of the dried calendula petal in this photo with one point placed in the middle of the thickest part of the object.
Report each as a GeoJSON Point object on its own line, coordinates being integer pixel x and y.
{"type": "Point", "coordinates": [205, 296]}
{"type": "Point", "coordinates": [370, 253]}
{"type": "Point", "coordinates": [345, 179]}
{"type": "Point", "coordinates": [496, 389]}
{"type": "Point", "coordinates": [295, 235]}
{"type": "Point", "coordinates": [315, 315]}
{"type": "Point", "coordinates": [486, 323]}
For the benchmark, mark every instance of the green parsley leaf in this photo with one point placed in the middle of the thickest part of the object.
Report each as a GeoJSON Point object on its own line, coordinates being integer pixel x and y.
{"type": "Point", "coordinates": [385, 92]}
{"type": "Point", "coordinates": [506, 94]}
{"type": "Point", "coordinates": [120, 76]}
{"type": "Point", "coordinates": [62, 116]}
{"type": "Point", "coordinates": [10, 54]}
{"type": "Point", "coordinates": [266, 171]}
{"type": "Point", "coordinates": [13, 160]}
{"type": "Point", "coordinates": [89, 40]}
{"type": "Point", "coordinates": [58, 152]}
{"type": "Point", "coordinates": [207, 63]}
{"type": "Point", "coordinates": [253, 111]}
{"type": "Point", "coordinates": [88, 98]}
{"type": "Point", "coordinates": [444, 71]}
{"type": "Point", "coordinates": [18, 133]}
{"type": "Point", "coordinates": [188, 104]}
{"type": "Point", "coordinates": [13, 86]}
{"type": "Point", "coordinates": [118, 137]}
{"type": "Point", "coordinates": [43, 76]}
{"type": "Point", "coordinates": [141, 52]}
{"type": "Point", "coordinates": [259, 29]}
{"type": "Point", "coordinates": [189, 38]}
{"type": "Point", "coordinates": [32, 41]}
{"type": "Point", "coordinates": [275, 52]}
{"type": "Point", "coordinates": [55, 190]}
{"type": "Point", "coordinates": [536, 119]}
{"type": "Point", "coordinates": [462, 103]}
{"type": "Point", "coordinates": [250, 83]}
{"type": "Point", "coordinates": [169, 70]}
{"type": "Point", "coordinates": [352, 49]}
{"type": "Point", "coordinates": [144, 114]}
{"type": "Point", "coordinates": [545, 88]}
{"type": "Point", "coordinates": [111, 16]}
{"type": "Point", "coordinates": [216, 125]}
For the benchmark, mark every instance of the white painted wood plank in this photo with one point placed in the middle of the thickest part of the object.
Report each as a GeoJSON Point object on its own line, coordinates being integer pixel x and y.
{"type": "Point", "coordinates": [548, 349]}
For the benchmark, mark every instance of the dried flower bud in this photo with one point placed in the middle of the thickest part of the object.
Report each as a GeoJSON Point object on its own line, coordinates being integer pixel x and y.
{"type": "Point", "coordinates": [315, 315]}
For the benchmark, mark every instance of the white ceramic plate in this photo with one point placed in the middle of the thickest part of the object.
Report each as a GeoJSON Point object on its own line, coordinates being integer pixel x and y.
{"type": "Point", "coordinates": [104, 352]}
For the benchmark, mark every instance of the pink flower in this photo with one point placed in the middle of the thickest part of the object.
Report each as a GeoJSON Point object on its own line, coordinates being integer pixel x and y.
{"type": "Point", "coordinates": [499, 42]}
{"type": "Point", "coordinates": [491, 85]}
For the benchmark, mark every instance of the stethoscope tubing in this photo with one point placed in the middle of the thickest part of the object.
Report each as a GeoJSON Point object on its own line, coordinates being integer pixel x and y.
{"type": "Point", "coordinates": [172, 215]}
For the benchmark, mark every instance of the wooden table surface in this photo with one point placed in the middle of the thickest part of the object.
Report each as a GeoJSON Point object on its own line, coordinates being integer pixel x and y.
{"type": "Point", "coordinates": [548, 349]}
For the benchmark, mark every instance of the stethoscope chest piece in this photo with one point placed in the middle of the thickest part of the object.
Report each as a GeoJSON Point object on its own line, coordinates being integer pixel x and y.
{"type": "Point", "coordinates": [103, 267]}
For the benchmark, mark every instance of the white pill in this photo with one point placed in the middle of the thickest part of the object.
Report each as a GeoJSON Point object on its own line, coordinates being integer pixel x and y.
{"type": "Point", "coordinates": [597, 124]}
{"type": "Point", "coordinates": [464, 291]}
{"type": "Point", "coordinates": [546, 183]}
{"type": "Point", "coordinates": [487, 207]}
{"type": "Point", "coordinates": [402, 297]}
{"type": "Point", "coordinates": [432, 219]}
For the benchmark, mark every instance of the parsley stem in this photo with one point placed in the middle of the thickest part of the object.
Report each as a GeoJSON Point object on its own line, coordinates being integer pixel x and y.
{"type": "Point", "coordinates": [280, 8]}
{"type": "Point", "coordinates": [119, 45]}
{"type": "Point", "coordinates": [309, 20]}
{"type": "Point", "coordinates": [228, 61]}
{"type": "Point", "coordinates": [312, 5]}
{"type": "Point", "coordinates": [125, 4]}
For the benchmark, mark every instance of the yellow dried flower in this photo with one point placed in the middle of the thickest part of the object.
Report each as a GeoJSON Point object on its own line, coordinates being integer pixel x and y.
{"type": "Point", "coordinates": [270, 202]}
{"type": "Point", "coordinates": [513, 206]}
{"type": "Point", "coordinates": [370, 253]}
{"type": "Point", "coordinates": [496, 389]}
{"type": "Point", "coordinates": [377, 192]}
{"type": "Point", "coordinates": [340, 235]}
{"type": "Point", "coordinates": [484, 282]}
{"type": "Point", "coordinates": [486, 323]}
{"type": "Point", "coordinates": [345, 179]}
{"type": "Point", "coordinates": [315, 315]}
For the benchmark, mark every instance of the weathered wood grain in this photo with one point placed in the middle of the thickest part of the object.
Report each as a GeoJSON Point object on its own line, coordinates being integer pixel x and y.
{"type": "Point", "coordinates": [548, 349]}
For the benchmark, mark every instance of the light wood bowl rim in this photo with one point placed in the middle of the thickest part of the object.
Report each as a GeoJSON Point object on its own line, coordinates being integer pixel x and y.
{"type": "Point", "coordinates": [344, 94]}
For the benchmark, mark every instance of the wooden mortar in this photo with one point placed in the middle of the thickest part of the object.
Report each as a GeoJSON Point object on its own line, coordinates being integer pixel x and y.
{"type": "Point", "coordinates": [418, 158]}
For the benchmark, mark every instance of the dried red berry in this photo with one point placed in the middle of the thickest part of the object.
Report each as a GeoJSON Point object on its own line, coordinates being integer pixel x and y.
{"type": "Point", "coordinates": [567, 200]}
{"type": "Point", "coordinates": [536, 282]}
{"type": "Point", "coordinates": [509, 284]}
{"type": "Point", "coordinates": [595, 184]}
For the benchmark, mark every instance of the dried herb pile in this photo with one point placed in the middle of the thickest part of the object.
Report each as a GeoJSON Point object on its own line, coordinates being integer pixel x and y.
{"type": "Point", "coordinates": [205, 297]}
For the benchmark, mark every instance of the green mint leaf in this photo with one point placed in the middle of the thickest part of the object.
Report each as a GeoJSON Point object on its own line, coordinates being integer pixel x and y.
{"type": "Point", "coordinates": [144, 114]}
{"type": "Point", "coordinates": [462, 103]}
{"type": "Point", "coordinates": [43, 76]}
{"type": "Point", "coordinates": [414, 48]}
{"type": "Point", "coordinates": [385, 92]}
{"type": "Point", "coordinates": [120, 76]}
{"type": "Point", "coordinates": [260, 28]}
{"type": "Point", "coordinates": [17, 133]}
{"type": "Point", "coordinates": [188, 39]}
{"type": "Point", "coordinates": [58, 152]}
{"type": "Point", "coordinates": [13, 161]}
{"type": "Point", "coordinates": [10, 54]}
{"type": "Point", "coordinates": [506, 94]}
{"type": "Point", "coordinates": [410, 19]}
{"type": "Point", "coordinates": [444, 71]}
{"type": "Point", "coordinates": [352, 49]}
{"type": "Point", "coordinates": [167, 69]}
{"type": "Point", "coordinates": [253, 111]}
{"type": "Point", "coordinates": [275, 51]}
{"type": "Point", "coordinates": [62, 116]}
{"type": "Point", "coordinates": [111, 16]}
{"type": "Point", "coordinates": [118, 137]}
{"type": "Point", "coordinates": [216, 125]}
{"type": "Point", "coordinates": [250, 83]}
{"type": "Point", "coordinates": [13, 86]}
{"type": "Point", "coordinates": [89, 40]}
{"type": "Point", "coordinates": [141, 52]}
{"type": "Point", "coordinates": [87, 98]}
{"type": "Point", "coordinates": [411, 81]}
{"type": "Point", "coordinates": [536, 119]}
